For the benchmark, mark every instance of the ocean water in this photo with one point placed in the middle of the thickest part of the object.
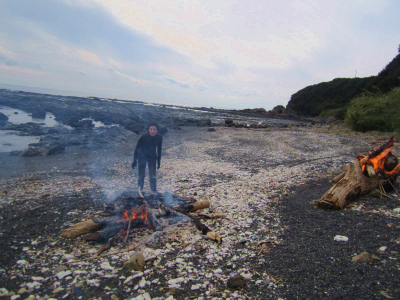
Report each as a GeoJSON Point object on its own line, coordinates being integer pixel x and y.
{"type": "Point", "coordinates": [10, 140]}
{"type": "Point", "coordinates": [17, 116]}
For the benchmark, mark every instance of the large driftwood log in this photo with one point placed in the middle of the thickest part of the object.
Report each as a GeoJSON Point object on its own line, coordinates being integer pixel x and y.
{"type": "Point", "coordinates": [79, 229]}
{"type": "Point", "coordinates": [348, 186]}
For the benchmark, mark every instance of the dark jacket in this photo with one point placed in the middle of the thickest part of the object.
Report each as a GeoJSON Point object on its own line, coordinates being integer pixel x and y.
{"type": "Point", "coordinates": [149, 147]}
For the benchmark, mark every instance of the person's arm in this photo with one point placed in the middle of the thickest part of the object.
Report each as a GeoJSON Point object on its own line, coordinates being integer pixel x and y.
{"type": "Point", "coordinates": [159, 148]}
{"type": "Point", "coordinates": [136, 152]}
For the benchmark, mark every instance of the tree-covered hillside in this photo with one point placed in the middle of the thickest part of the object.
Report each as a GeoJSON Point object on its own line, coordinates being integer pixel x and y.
{"type": "Point", "coordinates": [331, 98]}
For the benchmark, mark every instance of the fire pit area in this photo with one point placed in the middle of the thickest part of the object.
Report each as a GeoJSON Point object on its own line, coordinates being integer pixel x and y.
{"type": "Point", "coordinates": [132, 211]}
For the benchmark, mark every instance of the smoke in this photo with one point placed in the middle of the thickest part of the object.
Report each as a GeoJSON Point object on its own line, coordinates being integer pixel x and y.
{"type": "Point", "coordinates": [169, 197]}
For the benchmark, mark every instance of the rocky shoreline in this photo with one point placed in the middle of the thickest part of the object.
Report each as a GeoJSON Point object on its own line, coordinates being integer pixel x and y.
{"type": "Point", "coordinates": [76, 119]}
{"type": "Point", "coordinates": [276, 245]}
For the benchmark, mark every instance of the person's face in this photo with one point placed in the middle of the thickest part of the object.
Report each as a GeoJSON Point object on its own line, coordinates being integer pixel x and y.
{"type": "Point", "coordinates": [152, 130]}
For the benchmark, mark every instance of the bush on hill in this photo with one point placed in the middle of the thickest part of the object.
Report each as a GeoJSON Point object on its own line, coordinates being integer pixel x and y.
{"type": "Point", "coordinates": [327, 97]}
{"type": "Point", "coordinates": [380, 112]}
{"type": "Point", "coordinates": [332, 98]}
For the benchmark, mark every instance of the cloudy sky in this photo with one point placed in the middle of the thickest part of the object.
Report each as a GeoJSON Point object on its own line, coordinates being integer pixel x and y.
{"type": "Point", "coordinates": [220, 53]}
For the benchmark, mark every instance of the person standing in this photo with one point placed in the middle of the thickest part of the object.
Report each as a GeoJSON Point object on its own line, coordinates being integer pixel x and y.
{"type": "Point", "coordinates": [148, 152]}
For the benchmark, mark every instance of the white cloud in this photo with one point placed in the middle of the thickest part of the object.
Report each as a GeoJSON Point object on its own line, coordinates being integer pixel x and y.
{"type": "Point", "coordinates": [90, 57]}
{"type": "Point", "coordinates": [242, 53]}
{"type": "Point", "coordinates": [205, 32]}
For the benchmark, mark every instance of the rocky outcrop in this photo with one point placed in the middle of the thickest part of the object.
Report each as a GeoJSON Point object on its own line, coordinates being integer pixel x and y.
{"type": "Point", "coordinates": [76, 117]}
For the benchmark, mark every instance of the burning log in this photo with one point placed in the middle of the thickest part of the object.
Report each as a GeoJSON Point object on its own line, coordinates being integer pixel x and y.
{"type": "Point", "coordinates": [152, 218]}
{"type": "Point", "coordinates": [129, 228]}
{"type": "Point", "coordinates": [364, 175]}
{"type": "Point", "coordinates": [109, 231]}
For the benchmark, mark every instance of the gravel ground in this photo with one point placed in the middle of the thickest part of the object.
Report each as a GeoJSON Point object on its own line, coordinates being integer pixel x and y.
{"type": "Point", "coordinates": [262, 180]}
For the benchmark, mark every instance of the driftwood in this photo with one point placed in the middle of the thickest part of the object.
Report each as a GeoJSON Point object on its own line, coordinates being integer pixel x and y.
{"type": "Point", "coordinates": [79, 229]}
{"type": "Point", "coordinates": [191, 207]}
{"type": "Point", "coordinates": [215, 215]}
{"type": "Point", "coordinates": [352, 184]}
{"type": "Point", "coordinates": [113, 242]}
{"type": "Point", "coordinates": [207, 231]}
{"type": "Point", "coordinates": [367, 173]}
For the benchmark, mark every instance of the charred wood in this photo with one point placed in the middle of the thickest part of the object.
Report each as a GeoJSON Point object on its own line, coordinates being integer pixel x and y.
{"type": "Point", "coordinates": [207, 231]}
{"type": "Point", "coordinates": [152, 218]}
{"type": "Point", "coordinates": [110, 230]}
{"type": "Point", "coordinates": [193, 206]}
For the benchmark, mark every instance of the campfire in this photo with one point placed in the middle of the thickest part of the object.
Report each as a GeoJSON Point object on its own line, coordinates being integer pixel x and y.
{"type": "Point", "coordinates": [381, 162]}
{"type": "Point", "coordinates": [133, 210]}
{"type": "Point", "coordinates": [378, 169]}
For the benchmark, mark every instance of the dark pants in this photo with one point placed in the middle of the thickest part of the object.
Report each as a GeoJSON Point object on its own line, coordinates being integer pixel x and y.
{"type": "Point", "coordinates": [151, 162]}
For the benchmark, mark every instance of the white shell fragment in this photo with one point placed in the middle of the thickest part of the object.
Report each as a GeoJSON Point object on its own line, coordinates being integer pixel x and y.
{"type": "Point", "coordinates": [383, 249]}
{"type": "Point", "coordinates": [341, 238]}
{"type": "Point", "coordinates": [62, 274]}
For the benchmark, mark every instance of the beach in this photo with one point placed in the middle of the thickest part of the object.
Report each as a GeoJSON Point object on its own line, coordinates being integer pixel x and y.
{"type": "Point", "coordinates": [262, 180]}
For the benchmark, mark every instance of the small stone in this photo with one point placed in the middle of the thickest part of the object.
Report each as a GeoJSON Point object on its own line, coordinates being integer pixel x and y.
{"type": "Point", "coordinates": [375, 194]}
{"type": "Point", "coordinates": [236, 281]}
{"type": "Point", "coordinates": [362, 257]}
{"type": "Point", "coordinates": [136, 262]}
{"type": "Point", "coordinates": [60, 268]}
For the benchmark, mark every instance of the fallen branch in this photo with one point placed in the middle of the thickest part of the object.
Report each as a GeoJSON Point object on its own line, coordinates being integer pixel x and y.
{"type": "Point", "coordinates": [207, 231]}
{"type": "Point", "coordinates": [129, 227]}
{"type": "Point", "coordinates": [215, 215]}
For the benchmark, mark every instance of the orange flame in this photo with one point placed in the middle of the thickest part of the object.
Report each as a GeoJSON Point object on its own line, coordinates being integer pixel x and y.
{"type": "Point", "coordinates": [137, 213]}
{"type": "Point", "coordinates": [377, 159]}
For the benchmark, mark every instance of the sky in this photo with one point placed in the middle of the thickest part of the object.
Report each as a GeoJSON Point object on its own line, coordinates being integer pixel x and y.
{"type": "Point", "coordinates": [218, 53]}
